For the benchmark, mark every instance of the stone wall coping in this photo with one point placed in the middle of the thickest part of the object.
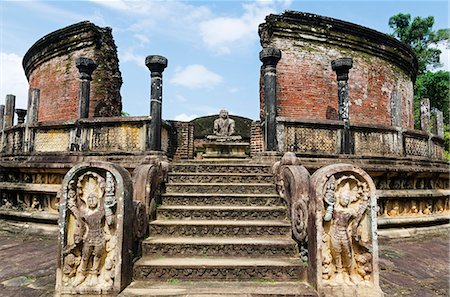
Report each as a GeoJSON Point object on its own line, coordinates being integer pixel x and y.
{"type": "Point", "coordinates": [72, 38]}
{"type": "Point", "coordinates": [334, 124]}
{"type": "Point", "coordinates": [319, 29]}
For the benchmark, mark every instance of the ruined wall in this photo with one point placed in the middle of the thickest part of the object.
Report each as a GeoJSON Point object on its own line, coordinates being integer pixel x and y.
{"type": "Point", "coordinates": [382, 74]}
{"type": "Point", "coordinates": [50, 66]}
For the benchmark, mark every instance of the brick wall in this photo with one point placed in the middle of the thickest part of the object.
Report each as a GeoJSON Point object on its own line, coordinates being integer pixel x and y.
{"type": "Point", "coordinates": [50, 67]}
{"type": "Point", "coordinates": [256, 138]}
{"type": "Point", "coordinates": [307, 86]}
{"type": "Point", "coordinates": [182, 144]}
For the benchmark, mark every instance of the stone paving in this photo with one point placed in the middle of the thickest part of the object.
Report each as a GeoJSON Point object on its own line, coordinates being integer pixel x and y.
{"type": "Point", "coordinates": [416, 266]}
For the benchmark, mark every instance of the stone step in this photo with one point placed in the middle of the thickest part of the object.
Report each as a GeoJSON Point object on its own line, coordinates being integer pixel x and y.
{"type": "Point", "coordinates": [256, 288]}
{"type": "Point", "coordinates": [221, 188]}
{"type": "Point", "coordinates": [220, 247]}
{"type": "Point", "coordinates": [207, 177]}
{"type": "Point", "coordinates": [219, 167]}
{"type": "Point", "coordinates": [222, 199]}
{"type": "Point", "coordinates": [209, 268]}
{"type": "Point", "coordinates": [220, 228]}
{"type": "Point", "coordinates": [221, 212]}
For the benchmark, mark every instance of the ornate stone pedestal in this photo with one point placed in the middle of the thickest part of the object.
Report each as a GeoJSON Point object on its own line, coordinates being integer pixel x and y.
{"type": "Point", "coordinates": [225, 149]}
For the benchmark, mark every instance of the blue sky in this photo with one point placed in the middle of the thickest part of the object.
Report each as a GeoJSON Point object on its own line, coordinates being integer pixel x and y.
{"type": "Point", "coordinates": [212, 46]}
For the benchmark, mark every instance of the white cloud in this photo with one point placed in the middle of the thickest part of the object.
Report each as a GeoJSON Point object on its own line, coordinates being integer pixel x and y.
{"type": "Point", "coordinates": [143, 39]}
{"type": "Point", "coordinates": [233, 90]}
{"type": "Point", "coordinates": [130, 56]}
{"type": "Point", "coordinates": [222, 34]}
{"type": "Point", "coordinates": [445, 56]}
{"type": "Point", "coordinates": [195, 76]}
{"type": "Point", "coordinates": [12, 79]}
{"type": "Point", "coordinates": [185, 117]}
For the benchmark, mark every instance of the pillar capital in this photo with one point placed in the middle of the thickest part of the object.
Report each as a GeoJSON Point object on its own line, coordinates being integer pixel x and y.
{"type": "Point", "coordinates": [86, 66]}
{"type": "Point", "coordinates": [21, 113]}
{"type": "Point", "coordinates": [342, 67]}
{"type": "Point", "coordinates": [156, 64]}
{"type": "Point", "coordinates": [270, 56]}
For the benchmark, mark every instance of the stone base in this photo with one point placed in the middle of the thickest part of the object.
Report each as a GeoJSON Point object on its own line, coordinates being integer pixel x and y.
{"type": "Point", "coordinates": [216, 149]}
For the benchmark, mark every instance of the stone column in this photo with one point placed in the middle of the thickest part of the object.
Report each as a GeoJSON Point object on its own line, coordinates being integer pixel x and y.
{"type": "Point", "coordinates": [270, 57]}
{"type": "Point", "coordinates": [156, 65]}
{"type": "Point", "coordinates": [21, 114]}
{"type": "Point", "coordinates": [86, 66]}
{"type": "Point", "coordinates": [8, 119]}
{"type": "Point", "coordinates": [438, 123]}
{"type": "Point", "coordinates": [425, 114]}
{"type": "Point", "coordinates": [342, 67]}
{"type": "Point", "coordinates": [33, 105]}
{"type": "Point", "coordinates": [2, 115]}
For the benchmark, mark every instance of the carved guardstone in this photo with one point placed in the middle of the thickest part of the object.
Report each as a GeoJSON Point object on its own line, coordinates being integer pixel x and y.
{"type": "Point", "coordinates": [95, 230]}
{"type": "Point", "coordinates": [342, 232]}
{"type": "Point", "coordinates": [223, 144]}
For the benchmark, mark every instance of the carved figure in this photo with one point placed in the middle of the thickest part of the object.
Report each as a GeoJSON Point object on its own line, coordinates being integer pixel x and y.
{"type": "Point", "coordinates": [90, 237]}
{"type": "Point", "coordinates": [94, 237]}
{"type": "Point", "coordinates": [342, 217]}
{"type": "Point", "coordinates": [224, 126]}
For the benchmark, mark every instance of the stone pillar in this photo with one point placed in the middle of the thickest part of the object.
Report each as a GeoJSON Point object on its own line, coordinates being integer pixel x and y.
{"type": "Point", "coordinates": [2, 115]}
{"type": "Point", "coordinates": [86, 66]}
{"type": "Point", "coordinates": [270, 57]}
{"type": "Point", "coordinates": [33, 105]}
{"type": "Point", "coordinates": [438, 124]}
{"type": "Point", "coordinates": [425, 114]}
{"type": "Point", "coordinates": [156, 65]}
{"type": "Point", "coordinates": [21, 114]}
{"type": "Point", "coordinates": [342, 67]}
{"type": "Point", "coordinates": [396, 109]}
{"type": "Point", "coordinates": [8, 119]}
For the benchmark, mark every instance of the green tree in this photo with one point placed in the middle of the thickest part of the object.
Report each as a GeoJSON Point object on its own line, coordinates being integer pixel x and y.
{"type": "Point", "coordinates": [419, 34]}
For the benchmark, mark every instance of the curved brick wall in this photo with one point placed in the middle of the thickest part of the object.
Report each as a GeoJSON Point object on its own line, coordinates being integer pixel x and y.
{"type": "Point", "coordinates": [383, 69]}
{"type": "Point", "coordinates": [50, 66]}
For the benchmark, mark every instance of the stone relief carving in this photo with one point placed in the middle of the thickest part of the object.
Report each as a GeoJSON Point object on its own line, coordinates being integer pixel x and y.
{"type": "Point", "coordinates": [292, 182]}
{"type": "Point", "coordinates": [342, 234]}
{"type": "Point", "coordinates": [95, 230]}
{"type": "Point", "coordinates": [91, 202]}
{"type": "Point", "coordinates": [347, 200]}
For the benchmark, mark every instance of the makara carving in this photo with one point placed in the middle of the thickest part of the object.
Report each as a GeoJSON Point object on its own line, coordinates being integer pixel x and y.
{"type": "Point", "coordinates": [292, 182]}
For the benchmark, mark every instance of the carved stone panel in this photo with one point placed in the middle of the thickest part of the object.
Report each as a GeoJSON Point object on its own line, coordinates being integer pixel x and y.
{"type": "Point", "coordinates": [342, 232]}
{"type": "Point", "coordinates": [95, 225]}
{"type": "Point", "coordinates": [51, 141]}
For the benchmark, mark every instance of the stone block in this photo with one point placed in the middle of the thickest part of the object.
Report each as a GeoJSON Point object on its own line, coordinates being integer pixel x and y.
{"type": "Point", "coordinates": [95, 230]}
{"type": "Point", "coordinates": [342, 232]}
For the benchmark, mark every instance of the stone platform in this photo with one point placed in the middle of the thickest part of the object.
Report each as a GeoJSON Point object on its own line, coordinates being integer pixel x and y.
{"type": "Point", "coordinates": [415, 267]}
{"type": "Point", "coordinates": [225, 149]}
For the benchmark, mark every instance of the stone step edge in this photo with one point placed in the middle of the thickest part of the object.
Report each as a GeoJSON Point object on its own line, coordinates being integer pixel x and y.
{"type": "Point", "coordinates": [218, 174]}
{"type": "Point", "coordinates": [204, 262]}
{"type": "Point", "coordinates": [235, 195]}
{"type": "Point", "coordinates": [260, 288]}
{"type": "Point", "coordinates": [219, 240]}
{"type": "Point", "coordinates": [221, 184]}
{"type": "Point", "coordinates": [265, 223]}
{"type": "Point", "coordinates": [220, 207]}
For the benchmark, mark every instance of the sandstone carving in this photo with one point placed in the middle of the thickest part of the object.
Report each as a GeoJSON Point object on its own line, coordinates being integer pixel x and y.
{"type": "Point", "coordinates": [292, 182]}
{"type": "Point", "coordinates": [342, 232]}
{"type": "Point", "coordinates": [223, 126]}
{"type": "Point", "coordinates": [95, 234]}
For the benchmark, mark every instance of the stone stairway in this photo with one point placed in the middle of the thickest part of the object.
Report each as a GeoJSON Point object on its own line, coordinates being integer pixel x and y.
{"type": "Point", "coordinates": [220, 222]}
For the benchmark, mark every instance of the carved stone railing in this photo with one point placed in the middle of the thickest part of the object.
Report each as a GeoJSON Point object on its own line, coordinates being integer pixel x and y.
{"type": "Point", "coordinates": [323, 137]}
{"type": "Point", "coordinates": [334, 221]}
{"type": "Point", "coordinates": [95, 135]}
